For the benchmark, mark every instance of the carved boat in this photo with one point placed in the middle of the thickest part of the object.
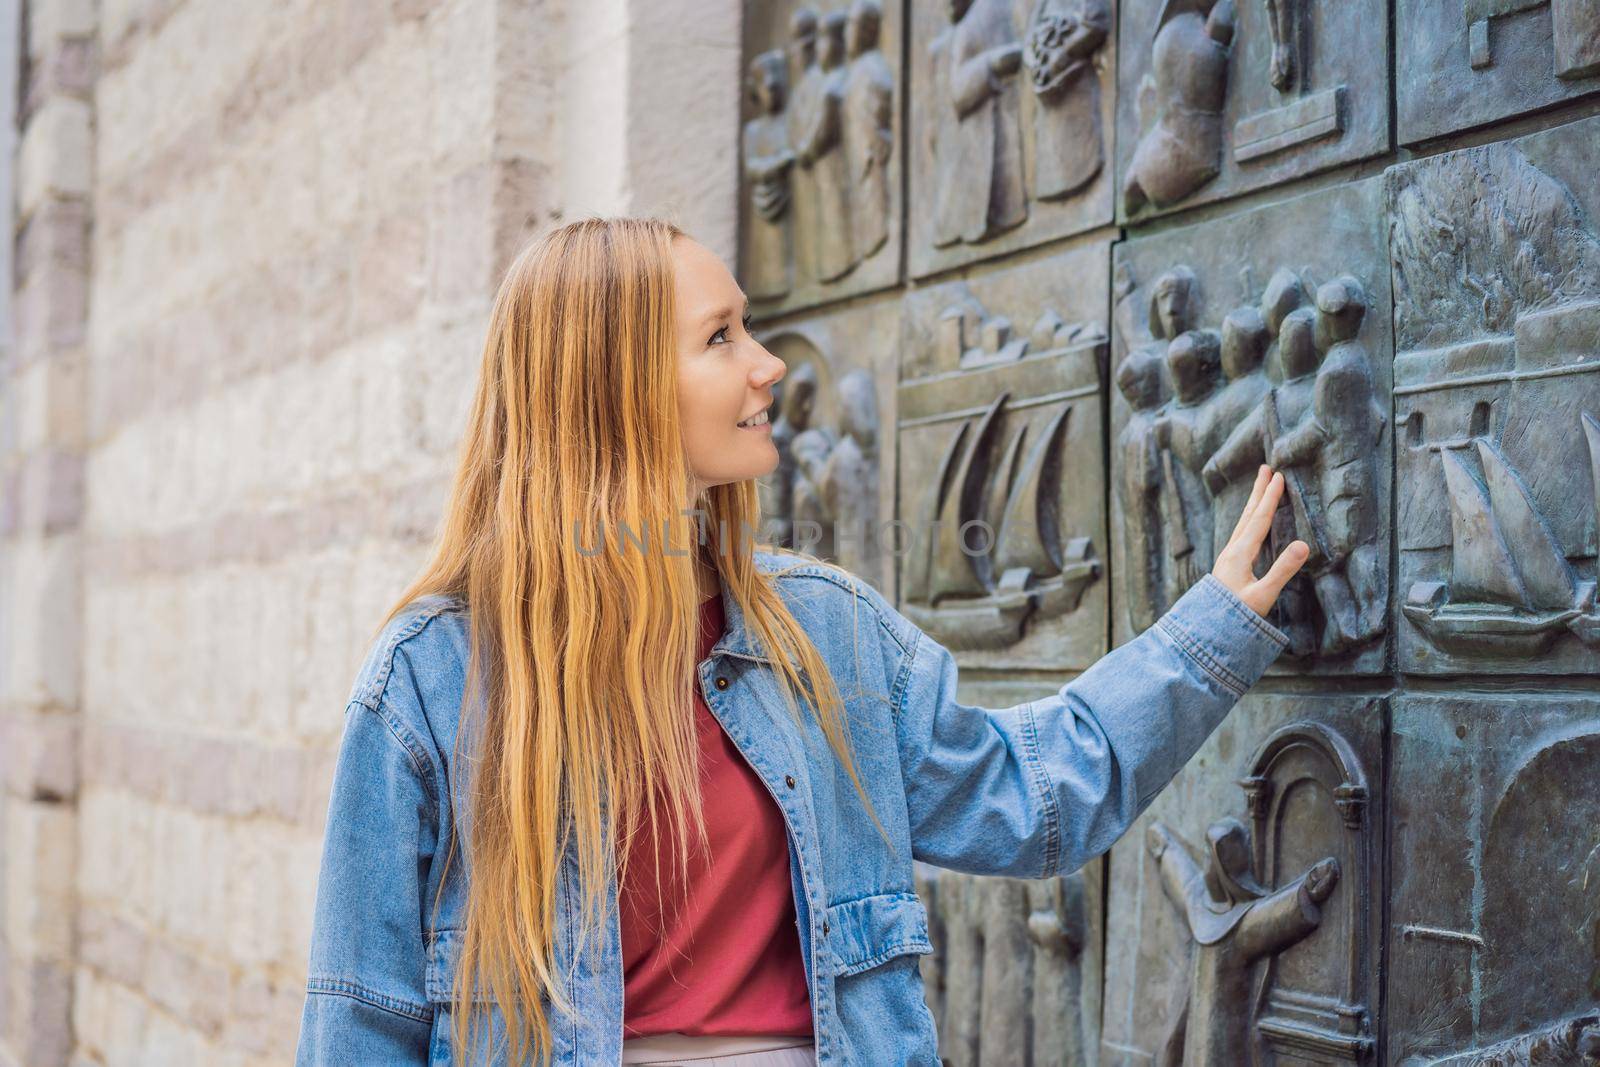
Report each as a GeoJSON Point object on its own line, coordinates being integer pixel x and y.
{"type": "Point", "coordinates": [1498, 601]}
{"type": "Point", "coordinates": [952, 590]}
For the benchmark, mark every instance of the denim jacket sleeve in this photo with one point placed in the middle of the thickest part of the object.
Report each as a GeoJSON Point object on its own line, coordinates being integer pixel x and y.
{"type": "Point", "coordinates": [365, 990]}
{"type": "Point", "coordinates": [1043, 787]}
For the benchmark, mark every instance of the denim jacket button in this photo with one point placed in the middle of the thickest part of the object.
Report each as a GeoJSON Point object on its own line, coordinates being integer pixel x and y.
{"type": "Point", "coordinates": [788, 780]}
{"type": "Point", "coordinates": [824, 926]}
{"type": "Point", "coordinates": [722, 683]}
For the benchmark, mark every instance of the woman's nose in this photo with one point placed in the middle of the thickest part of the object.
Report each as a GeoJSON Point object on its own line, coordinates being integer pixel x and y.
{"type": "Point", "coordinates": [770, 371]}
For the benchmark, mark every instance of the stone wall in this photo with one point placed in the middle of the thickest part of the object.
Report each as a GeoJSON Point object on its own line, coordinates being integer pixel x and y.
{"type": "Point", "coordinates": [257, 245]}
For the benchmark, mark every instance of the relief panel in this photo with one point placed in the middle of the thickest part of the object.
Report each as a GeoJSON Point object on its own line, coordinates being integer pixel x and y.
{"type": "Point", "coordinates": [1002, 465]}
{"type": "Point", "coordinates": [1496, 269]}
{"type": "Point", "coordinates": [1259, 338]}
{"type": "Point", "coordinates": [1217, 97]}
{"type": "Point", "coordinates": [1494, 955]}
{"type": "Point", "coordinates": [833, 492]}
{"type": "Point", "coordinates": [1464, 63]}
{"type": "Point", "coordinates": [1244, 922]}
{"type": "Point", "coordinates": [820, 151]}
{"type": "Point", "coordinates": [1010, 125]}
{"type": "Point", "coordinates": [1015, 972]}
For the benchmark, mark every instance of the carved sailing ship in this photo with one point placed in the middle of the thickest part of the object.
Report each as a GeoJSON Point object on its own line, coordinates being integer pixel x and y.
{"type": "Point", "coordinates": [1511, 587]}
{"type": "Point", "coordinates": [952, 590]}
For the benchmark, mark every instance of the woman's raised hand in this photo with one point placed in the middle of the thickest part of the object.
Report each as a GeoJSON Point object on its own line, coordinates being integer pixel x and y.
{"type": "Point", "coordinates": [1236, 561]}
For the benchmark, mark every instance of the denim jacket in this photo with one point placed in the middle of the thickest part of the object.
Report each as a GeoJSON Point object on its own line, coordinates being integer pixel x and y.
{"type": "Point", "coordinates": [1033, 790]}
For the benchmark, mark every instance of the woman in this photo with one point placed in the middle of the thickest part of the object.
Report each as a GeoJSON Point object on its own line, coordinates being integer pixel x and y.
{"type": "Point", "coordinates": [475, 890]}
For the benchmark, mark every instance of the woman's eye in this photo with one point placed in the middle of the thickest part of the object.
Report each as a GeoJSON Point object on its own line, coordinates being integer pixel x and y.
{"type": "Point", "coordinates": [723, 331]}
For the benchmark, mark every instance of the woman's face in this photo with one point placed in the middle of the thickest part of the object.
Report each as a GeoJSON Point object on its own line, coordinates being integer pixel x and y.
{"type": "Point", "coordinates": [725, 377]}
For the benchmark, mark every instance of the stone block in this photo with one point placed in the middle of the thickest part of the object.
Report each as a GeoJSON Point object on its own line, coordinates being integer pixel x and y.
{"type": "Point", "coordinates": [53, 492]}
{"type": "Point", "coordinates": [669, 108]}
{"type": "Point", "coordinates": [55, 235]}
{"type": "Point", "coordinates": [1245, 905]}
{"type": "Point", "coordinates": [821, 151]}
{"type": "Point", "coordinates": [1262, 337]}
{"type": "Point", "coordinates": [832, 417]}
{"type": "Point", "coordinates": [1216, 98]}
{"type": "Point", "coordinates": [1497, 404]}
{"type": "Point", "coordinates": [43, 657]}
{"type": "Point", "coordinates": [1011, 128]}
{"type": "Point", "coordinates": [1016, 968]}
{"type": "Point", "coordinates": [40, 873]}
{"type": "Point", "coordinates": [1462, 65]}
{"type": "Point", "coordinates": [1495, 939]}
{"type": "Point", "coordinates": [55, 154]}
{"type": "Point", "coordinates": [52, 23]}
{"type": "Point", "coordinates": [51, 308]}
{"type": "Point", "coordinates": [39, 1006]}
{"type": "Point", "coordinates": [41, 754]}
{"type": "Point", "coordinates": [1002, 466]}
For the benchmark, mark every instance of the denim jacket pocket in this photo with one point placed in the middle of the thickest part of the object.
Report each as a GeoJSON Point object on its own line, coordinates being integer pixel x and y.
{"type": "Point", "coordinates": [444, 949]}
{"type": "Point", "coordinates": [869, 931]}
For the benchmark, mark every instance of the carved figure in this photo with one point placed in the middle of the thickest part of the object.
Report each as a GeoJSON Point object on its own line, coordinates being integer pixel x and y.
{"type": "Point", "coordinates": [1284, 295]}
{"type": "Point", "coordinates": [977, 140]}
{"type": "Point", "coordinates": [819, 149]}
{"type": "Point", "coordinates": [1244, 350]}
{"type": "Point", "coordinates": [1058, 926]}
{"type": "Point", "coordinates": [1169, 314]}
{"type": "Point", "coordinates": [1063, 37]}
{"type": "Point", "coordinates": [1193, 362]}
{"type": "Point", "coordinates": [868, 129]}
{"type": "Point", "coordinates": [1234, 921]}
{"type": "Point", "coordinates": [1281, 25]}
{"type": "Point", "coordinates": [850, 475]}
{"type": "Point", "coordinates": [812, 521]}
{"type": "Point", "coordinates": [767, 159]}
{"type": "Point", "coordinates": [794, 406]}
{"type": "Point", "coordinates": [1139, 379]}
{"type": "Point", "coordinates": [804, 102]}
{"type": "Point", "coordinates": [1321, 427]}
{"type": "Point", "coordinates": [1337, 442]}
{"type": "Point", "coordinates": [1186, 88]}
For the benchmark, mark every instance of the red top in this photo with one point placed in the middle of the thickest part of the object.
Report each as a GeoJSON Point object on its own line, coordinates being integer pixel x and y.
{"type": "Point", "coordinates": [725, 959]}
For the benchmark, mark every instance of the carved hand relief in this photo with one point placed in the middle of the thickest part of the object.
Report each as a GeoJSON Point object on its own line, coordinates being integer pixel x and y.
{"type": "Point", "coordinates": [828, 495]}
{"type": "Point", "coordinates": [1010, 131]}
{"type": "Point", "coordinates": [1497, 404]}
{"type": "Point", "coordinates": [820, 211]}
{"type": "Point", "coordinates": [1483, 60]}
{"type": "Point", "coordinates": [1216, 377]}
{"type": "Point", "coordinates": [1217, 97]}
{"type": "Point", "coordinates": [1014, 976]}
{"type": "Point", "coordinates": [1000, 472]}
{"type": "Point", "coordinates": [1495, 913]}
{"type": "Point", "coordinates": [1243, 925]}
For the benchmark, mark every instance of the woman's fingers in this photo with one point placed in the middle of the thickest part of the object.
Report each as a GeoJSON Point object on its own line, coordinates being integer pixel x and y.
{"type": "Point", "coordinates": [1235, 563]}
{"type": "Point", "coordinates": [1254, 529]}
{"type": "Point", "coordinates": [1263, 476]}
{"type": "Point", "coordinates": [1263, 592]}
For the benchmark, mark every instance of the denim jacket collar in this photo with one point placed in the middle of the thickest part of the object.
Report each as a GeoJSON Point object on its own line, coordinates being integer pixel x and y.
{"type": "Point", "coordinates": [735, 639]}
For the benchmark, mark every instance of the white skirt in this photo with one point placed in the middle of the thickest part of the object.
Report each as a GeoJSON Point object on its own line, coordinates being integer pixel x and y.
{"type": "Point", "coordinates": [719, 1051]}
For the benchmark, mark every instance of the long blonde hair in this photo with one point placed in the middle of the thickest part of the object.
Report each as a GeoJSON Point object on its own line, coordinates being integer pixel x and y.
{"type": "Point", "coordinates": [587, 655]}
